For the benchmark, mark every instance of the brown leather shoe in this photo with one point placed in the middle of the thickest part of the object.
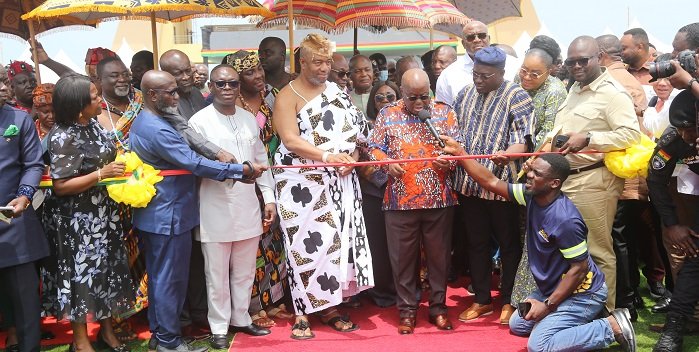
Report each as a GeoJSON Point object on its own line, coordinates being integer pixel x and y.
{"type": "Point", "coordinates": [476, 310]}
{"type": "Point", "coordinates": [406, 326]}
{"type": "Point", "coordinates": [441, 321]}
{"type": "Point", "coordinates": [507, 311]}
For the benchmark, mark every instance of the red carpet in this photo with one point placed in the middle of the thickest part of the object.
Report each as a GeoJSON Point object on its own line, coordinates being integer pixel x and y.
{"type": "Point", "coordinates": [378, 332]}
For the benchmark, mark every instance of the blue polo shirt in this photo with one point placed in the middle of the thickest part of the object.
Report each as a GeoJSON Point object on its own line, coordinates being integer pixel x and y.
{"type": "Point", "coordinates": [556, 237]}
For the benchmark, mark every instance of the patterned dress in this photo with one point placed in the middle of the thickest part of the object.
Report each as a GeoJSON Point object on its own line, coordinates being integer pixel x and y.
{"type": "Point", "coordinates": [92, 278]}
{"type": "Point", "coordinates": [137, 265]}
{"type": "Point", "coordinates": [321, 211]}
{"type": "Point", "coordinates": [270, 269]}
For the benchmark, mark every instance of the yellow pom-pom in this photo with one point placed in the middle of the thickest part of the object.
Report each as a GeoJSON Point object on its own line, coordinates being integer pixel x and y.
{"type": "Point", "coordinates": [139, 189]}
{"type": "Point", "coordinates": [633, 161]}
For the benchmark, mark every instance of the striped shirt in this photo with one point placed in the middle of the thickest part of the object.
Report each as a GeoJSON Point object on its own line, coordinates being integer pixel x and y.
{"type": "Point", "coordinates": [556, 237]}
{"type": "Point", "coordinates": [489, 123]}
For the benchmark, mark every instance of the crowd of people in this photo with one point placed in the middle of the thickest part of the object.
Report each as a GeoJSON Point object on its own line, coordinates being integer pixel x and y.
{"type": "Point", "coordinates": [270, 219]}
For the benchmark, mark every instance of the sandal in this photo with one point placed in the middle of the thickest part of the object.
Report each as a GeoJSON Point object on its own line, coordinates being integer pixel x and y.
{"type": "Point", "coordinates": [280, 312]}
{"type": "Point", "coordinates": [124, 332]}
{"type": "Point", "coordinates": [302, 325]}
{"type": "Point", "coordinates": [262, 320]}
{"type": "Point", "coordinates": [334, 318]}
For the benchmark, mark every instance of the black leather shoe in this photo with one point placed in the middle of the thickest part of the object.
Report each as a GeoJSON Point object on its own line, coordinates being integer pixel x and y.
{"type": "Point", "coordinates": [662, 305]}
{"type": "Point", "coordinates": [219, 342]}
{"type": "Point", "coordinates": [656, 288]}
{"type": "Point", "coordinates": [671, 338]}
{"type": "Point", "coordinates": [251, 329]}
{"type": "Point", "coordinates": [627, 338]}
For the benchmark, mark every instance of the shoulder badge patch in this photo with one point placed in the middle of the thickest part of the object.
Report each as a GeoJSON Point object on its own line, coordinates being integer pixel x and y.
{"type": "Point", "coordinates": [660, 160]}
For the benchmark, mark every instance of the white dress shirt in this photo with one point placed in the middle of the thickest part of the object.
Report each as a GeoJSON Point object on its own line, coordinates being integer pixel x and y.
{"type": "Point", "coordinates": [230, 210]}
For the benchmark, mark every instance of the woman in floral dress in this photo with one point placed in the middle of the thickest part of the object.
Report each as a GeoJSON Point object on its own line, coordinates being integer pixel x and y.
{"type": "Point", "coordinates": [93, 283]}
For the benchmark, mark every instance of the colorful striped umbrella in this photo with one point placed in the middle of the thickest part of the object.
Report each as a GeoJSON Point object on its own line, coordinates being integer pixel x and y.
{"type": "Point", "coordinates": [334, 16]}
{"type": "Point", "coordinates": [95, 11]}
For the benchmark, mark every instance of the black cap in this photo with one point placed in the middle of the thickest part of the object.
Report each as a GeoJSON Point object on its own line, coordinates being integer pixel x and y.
{"type": "Point", "coordinates": [683, 110]}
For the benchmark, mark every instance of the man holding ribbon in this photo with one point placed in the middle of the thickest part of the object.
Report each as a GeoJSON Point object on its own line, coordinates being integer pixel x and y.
{"type": "Point", "coordinates": [320, 207]}
{"type": "Point", "coordinates": [419, 201]}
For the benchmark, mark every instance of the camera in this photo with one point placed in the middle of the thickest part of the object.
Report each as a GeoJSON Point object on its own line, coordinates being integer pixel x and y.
{"type": "Point", "coordinates": [664, 69]}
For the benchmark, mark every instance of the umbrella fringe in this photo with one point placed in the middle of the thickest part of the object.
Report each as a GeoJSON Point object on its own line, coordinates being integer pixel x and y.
{"type": "Point", "coordinates": [144, 11]}
{"type": "Point", "coordinates": [13, 37]}
{"type": "Point", "coordinates": [448, 19]}
{"type": "Point", "coordinates": [72, 27]}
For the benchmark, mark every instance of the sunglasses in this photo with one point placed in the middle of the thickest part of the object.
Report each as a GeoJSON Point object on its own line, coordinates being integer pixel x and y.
{"type": "Point", "coordinates": [583, 61]}
{"type": "Point", "coordinates": [379, 98]}
{"type": "Point", "coordinates": [524, 72]}
{"type": "Point", "coordinates": [222, 84]}
{"type": "Point", "coordinates": [340, 74]}
{"type": "Point", "coordinates": [171, 92]}
{"type": "Point", "coordinates": [483, 76]}
{"type": "Point", "coordinates": [421, 97]}
{"type": "Point", "coordinates": [472, 37]}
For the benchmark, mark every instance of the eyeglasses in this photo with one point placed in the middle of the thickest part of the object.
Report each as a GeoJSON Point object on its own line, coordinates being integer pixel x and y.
{"type": "Point", "coordinates": [482, 76]}
{"type": "Point", "coordinates": [421, 97]}
{"type": "Point", "coordinates": [582, 61]}
{"type": "Point", "coordinates": [340, 74]}
{"type": "Point", "coordinates": [171, 92]}
{"type": "Point", "coordinates": [535, 75]}
{"type": "Point", "coordinates": [222, 84]}
{"type": "Point", "coordinates": [472, 37]}
{"type": "Point", "coordinates": [379, 98]}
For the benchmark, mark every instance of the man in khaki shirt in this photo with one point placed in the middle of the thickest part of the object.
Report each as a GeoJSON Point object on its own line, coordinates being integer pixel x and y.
{"type": "Point", "coordinates": [598, 114]}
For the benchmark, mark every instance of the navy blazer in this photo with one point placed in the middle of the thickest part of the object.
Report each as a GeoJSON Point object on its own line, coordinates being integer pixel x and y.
{"type": "Point", "coordinates": [175, 207]}
{"type": "Point", "coordinates": [22, 240]}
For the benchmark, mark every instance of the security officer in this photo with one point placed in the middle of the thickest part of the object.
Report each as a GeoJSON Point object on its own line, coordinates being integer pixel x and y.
{"type": "Point", "coordinates": [677, 144]}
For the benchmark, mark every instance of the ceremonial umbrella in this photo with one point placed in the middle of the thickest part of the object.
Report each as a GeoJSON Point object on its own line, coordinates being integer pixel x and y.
{"type": "Point", "coordinates": [486, 11]}
{"type": "Point", "coordinates": [95, 11]}
{"type": "Point", "coordinates": [12, 26]}
{"type": "Point", "coordinates": [334, 16]}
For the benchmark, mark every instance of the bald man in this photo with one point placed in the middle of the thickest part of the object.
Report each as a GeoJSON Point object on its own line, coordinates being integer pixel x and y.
{"type": "Point", "coordinates": [340, 72]}
{"type": "Point", "coordinates": [443, 56]}
{"type": "Point", "coordinates": [404, 64]}
{"type": "Point", "coordinates": [176, 63]}
{"type": "Point", "coordinates": [419, 202]}
{"type": "Point", "coordinates": [598, 114]}
{"type": "Point", "coordinates": [166, 224]}
{"type": "Point", "coordinates": [460, 74]}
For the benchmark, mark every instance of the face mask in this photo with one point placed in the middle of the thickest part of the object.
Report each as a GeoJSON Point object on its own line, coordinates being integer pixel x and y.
{"type": "Point", "coordinates": [383, 75]}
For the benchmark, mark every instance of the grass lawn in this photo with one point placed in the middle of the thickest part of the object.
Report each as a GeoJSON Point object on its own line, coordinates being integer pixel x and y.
{"type": "Point", "coordinates": [646, 339]}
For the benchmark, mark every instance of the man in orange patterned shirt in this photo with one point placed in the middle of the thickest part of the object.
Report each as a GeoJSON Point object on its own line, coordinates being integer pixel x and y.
{"type": "Point", "coordinates": [419, 199]}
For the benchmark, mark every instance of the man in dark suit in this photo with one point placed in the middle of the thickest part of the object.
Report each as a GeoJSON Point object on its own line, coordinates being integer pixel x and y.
{"type": "Point", "coordinates": [22, 240]}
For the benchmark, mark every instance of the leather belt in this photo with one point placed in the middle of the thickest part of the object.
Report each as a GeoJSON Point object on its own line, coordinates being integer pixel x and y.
{"type": "Point", "coordinates": [588, 167]}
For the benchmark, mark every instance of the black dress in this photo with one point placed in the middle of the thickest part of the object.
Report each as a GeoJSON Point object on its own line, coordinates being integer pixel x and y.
{"type": "Point", "coordinates": [92, 279]}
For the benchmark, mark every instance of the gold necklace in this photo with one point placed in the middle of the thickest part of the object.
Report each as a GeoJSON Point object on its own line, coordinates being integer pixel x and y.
{"type": "Point", "coordinates": [245, 103]}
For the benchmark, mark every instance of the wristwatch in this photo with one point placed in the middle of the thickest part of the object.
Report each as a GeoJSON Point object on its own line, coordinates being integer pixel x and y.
{"type": "Point", "coordinates": [550, 306]}
{"type": "Point", "coordinates": [691, 81]}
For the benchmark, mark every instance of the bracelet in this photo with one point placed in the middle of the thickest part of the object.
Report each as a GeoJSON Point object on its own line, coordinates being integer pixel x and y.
{"type": "Point", "coordinates": [691, 81]}
{"type": "Point", "coordinates": [252, 169]}
{"type": "Point", "coordinates": [99, 175]}
{"type": "Point", "coordinates": [325, 156]}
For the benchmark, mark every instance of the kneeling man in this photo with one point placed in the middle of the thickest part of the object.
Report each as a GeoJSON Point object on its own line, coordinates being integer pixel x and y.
{"type": "Point", "coordinates": [570, 288]}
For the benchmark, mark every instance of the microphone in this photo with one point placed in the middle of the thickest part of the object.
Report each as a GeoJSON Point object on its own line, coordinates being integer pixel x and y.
{"type": "Point", "coordinates": [425, 117]}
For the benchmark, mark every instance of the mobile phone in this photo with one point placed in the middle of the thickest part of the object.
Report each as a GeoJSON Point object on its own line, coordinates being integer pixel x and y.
{"type": "Point", "coordinates": [561, 139]}
{"type": "Point", "coordinates": [8, 211]}
{"type": "Point", "coordinates": [523, 308]}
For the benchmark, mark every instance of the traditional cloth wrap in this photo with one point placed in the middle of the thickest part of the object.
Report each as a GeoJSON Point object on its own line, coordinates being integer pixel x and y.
{"type": "Point", "coordinates": [17, 67]}
{"type": "Point", "coordinates": [491, 56]}
{"type": "Point", "coordinates": [43, 95]}
{"type": "Point", "coordinates": [95, 55]}
{"type": "Point", "coordinates": [251, 60]}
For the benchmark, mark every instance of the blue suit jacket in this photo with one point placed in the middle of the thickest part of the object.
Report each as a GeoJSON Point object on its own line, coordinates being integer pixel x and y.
{"type": "Point", "coordinates": [21, 241]}
{"type": "Point", "coordinates": [175, 207]}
